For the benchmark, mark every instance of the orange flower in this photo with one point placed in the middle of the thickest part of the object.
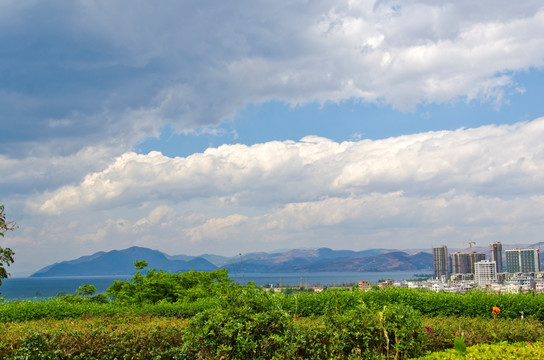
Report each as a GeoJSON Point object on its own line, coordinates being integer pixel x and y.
{"type": "Point", "coordinates": [496, 310]}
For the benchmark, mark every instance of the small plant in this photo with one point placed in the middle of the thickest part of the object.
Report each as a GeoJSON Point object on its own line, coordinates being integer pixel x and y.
{"type": "Point", "coordinates": [459, 345]}
{"type": "Point", "coordinates": [495, 312]}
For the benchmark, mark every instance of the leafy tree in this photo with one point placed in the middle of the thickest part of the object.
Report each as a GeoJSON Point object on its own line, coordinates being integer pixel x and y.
{"type": "Point", "coordinates": [159, 285]}
{"type": "Point", "coordinates": [6, 255]}
{"type": "Point", "coordinates": [140, 264]}
{"type": "Point", "coordinates": [86, 290]}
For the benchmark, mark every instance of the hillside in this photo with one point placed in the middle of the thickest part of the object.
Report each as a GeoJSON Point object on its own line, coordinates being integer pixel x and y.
{"type": "Point", "coordinates": [121, 262]}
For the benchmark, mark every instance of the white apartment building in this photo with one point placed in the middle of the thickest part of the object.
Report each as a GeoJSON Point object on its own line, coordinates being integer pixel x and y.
{"type": "Point", "coordinates": [485, 272]}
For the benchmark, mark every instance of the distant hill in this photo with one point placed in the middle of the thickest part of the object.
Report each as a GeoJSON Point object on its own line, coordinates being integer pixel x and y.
{"type": "Point", "coordinates": [393, 261]}
{"type": "Point", "coordinates": [121, 262]}
{"type": "Point", "coordinates": [217, 260]}
{"type": "Point", "coordinates": [327, 260]}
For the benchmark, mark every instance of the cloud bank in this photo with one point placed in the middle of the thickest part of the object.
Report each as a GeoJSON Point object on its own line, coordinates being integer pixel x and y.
{"type": "Point", "coordinates": [505, 161]}
{"type": "Point", "coordinates": [409, 191]}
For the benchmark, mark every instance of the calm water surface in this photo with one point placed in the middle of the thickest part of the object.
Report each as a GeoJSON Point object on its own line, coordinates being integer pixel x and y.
{"type": "Point", "coordinates": [39, 288]}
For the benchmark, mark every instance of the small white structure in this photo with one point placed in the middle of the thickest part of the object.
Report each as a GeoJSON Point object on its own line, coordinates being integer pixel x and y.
{"type": "Point", "coordinates": [437, 286]}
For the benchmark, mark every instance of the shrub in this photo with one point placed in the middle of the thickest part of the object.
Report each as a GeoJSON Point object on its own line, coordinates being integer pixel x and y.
{"type": "Point", "coordinates": [91, 338]}
{"type": "Point", "coordinates": [495, 351]}
{"type": "Point", "coordinates": [441, 331]}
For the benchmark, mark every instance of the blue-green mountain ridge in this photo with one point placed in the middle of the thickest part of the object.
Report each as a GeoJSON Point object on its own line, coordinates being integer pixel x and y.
{"type": "Point", "coordinates": [121, 262]}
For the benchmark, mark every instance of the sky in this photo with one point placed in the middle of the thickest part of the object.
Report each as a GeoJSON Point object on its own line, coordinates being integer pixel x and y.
{"type": "Point", "coordinates": [222, 127]}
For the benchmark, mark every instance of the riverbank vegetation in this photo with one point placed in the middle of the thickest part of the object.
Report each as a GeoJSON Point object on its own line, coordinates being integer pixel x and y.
{"type": "Point", "coordinates": [196, 315]}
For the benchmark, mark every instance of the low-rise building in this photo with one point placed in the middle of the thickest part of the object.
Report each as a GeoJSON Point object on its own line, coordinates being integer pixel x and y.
{"type": "Point", "coordinates": [364, 285]}
{"type": "Point", "coordinates": [385, 283]}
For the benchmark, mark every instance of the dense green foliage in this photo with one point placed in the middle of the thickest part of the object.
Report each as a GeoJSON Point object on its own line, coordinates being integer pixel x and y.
{"type": "Point", "coordinates": [242, 330]}
{"type": "Point", "coordinates": [231, 333]}
{"type": "Point", "coordinates": [504, 351]}
{"type": "Point", "coordinates": [158, 286]}
{"type": "Point", "coordinates": [106, 337]}
{"type": "Point", "coordinates": [187, 300]}
{"type": "Point", "coordinates": [472, 304]}
{"type": "Point", "coordinates": [194, 315]}
{"type": "Point", "coordinates": [441, 331]}
{"type": "Point", "coordinates": [72, 306]}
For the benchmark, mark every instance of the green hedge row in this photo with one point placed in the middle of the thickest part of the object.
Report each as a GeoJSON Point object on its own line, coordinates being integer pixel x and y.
{"type": "Point", "coordinates": [472, 304]}
{"type": "Point", "coordinates": [244, 332]}
{"type": "Point", "coordinates": [59, 308]}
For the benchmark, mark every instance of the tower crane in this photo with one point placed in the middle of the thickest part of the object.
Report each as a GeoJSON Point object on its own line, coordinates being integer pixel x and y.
{"type": "Point", "coordinates": [470, 243]}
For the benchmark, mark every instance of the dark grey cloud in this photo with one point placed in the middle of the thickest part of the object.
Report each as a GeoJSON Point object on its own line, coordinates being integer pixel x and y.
{"type": "Point", "coordinates": [76, 73]}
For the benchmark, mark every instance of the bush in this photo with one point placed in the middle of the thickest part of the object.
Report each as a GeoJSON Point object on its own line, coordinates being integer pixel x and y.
{"type": "Point", "coordinates": [223, 334]}
{"type": "Point", "coordinates": [496, 351]}
{"type": "Point", "coordinates": [239, 322]}
{"type": "Point", "coordinates": [244, 330]}
{"type": "Point", "coordinates": [91, 338]}
{"type": "Point", "coordinates": [441, 331]}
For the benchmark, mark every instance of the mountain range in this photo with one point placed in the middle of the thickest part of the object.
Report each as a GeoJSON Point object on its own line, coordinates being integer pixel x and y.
{"type": "Point", "coordinates": [121, 262]}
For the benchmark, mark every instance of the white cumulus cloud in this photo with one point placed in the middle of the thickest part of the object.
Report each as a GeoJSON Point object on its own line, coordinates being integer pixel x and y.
{"type": "Point", "coordinates": [503, 161]}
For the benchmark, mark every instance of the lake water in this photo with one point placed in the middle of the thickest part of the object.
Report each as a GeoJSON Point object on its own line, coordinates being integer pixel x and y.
{"type": "Point", "coordinates": [39, 288]}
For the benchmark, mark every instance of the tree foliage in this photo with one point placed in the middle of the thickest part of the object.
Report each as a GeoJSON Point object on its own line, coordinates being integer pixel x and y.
{"type": "Point", "coordinates": [159, 285]}
{"type": "Point", "coordinates": [86, 290]}
{"type": "Point", "coordinates": [6, 254]}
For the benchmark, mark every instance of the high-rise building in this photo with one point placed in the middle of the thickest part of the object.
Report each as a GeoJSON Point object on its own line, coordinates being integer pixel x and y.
{"type": "Point", "coordinates": [440, 262]}
{"type": "Point", "coordinates": [485, 272]}
{"type": "Point", "coordinates": [496, 255]}
{"type": "Point", "coordinates": [460, 262]}
{"type": "Point", "coordinates": [523, 260]}
{"type": "Point", "coordinates": [477, 257]}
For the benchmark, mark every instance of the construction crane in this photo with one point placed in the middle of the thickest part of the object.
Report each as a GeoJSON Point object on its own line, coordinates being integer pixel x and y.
{"type": "Point", "coordinates": [470, 243]}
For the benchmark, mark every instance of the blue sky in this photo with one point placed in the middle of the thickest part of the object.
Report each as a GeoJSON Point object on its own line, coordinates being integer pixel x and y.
{"type": "Point", "coordinates": [353, 119]}
{"type": "Point", "coordinates": [226, 128]}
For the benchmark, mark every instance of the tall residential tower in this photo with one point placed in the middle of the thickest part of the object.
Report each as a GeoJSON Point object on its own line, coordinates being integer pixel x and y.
{"type": "Point", "coordinates": [496, 255]}
{"type": "Point", "coordinates": [440, 262]}
{"type": "Point", "coordinates": [461, 264]}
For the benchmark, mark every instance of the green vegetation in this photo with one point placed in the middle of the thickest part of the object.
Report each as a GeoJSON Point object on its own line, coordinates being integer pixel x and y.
{"type": "Point", "coordinates": [163, 286]}
{"type": "Point", "coordinates": [204, 315]}
{"type": "Point", "coordinates": [503, 351]}
{"type": "Point", "coordinates": [6, 254]}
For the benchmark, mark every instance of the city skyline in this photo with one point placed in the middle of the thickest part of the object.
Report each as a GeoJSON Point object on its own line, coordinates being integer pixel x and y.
{"type": "Point", "coordinates": [518, 260]}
